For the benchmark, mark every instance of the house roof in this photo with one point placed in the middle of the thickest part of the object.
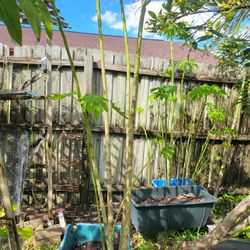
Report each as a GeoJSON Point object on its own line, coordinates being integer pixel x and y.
{"type": "Point", "coordinates": [150, 47]}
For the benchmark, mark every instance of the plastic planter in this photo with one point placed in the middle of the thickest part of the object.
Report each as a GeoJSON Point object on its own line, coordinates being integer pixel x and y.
{"type": "Point", "coordinates": [233, 244]}
{"type": "Point", "coordinates": [84, 232]}
{"type": "Point", "coordinates": [155, 218]}
{"type": "Point", "coordinates": [173, 182]}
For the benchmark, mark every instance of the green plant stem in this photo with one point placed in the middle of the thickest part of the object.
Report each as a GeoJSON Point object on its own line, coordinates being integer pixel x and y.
{"type": "Point", "coordinates": [148, 156]}
{"type": "Point", "coordinates": [173, 106]}
{"type": "Point", "coordinates": [13, 238]}
{"type": "Point", "coordinates": [98, 211]}
{"type": "Point", "coordinates": [130, 134]}
{"type": "Point", "coordinates": [86, 119]}
{"type": "Point", "coordinates": [182, 114]}
{"type": "Point", "coordinates": [110, 243]}
{"type": "Point", "coordinates": [132, 186]}
{"type": "Point", "coordinates": [235, 125]}
{"type": "Point", "coordinates": [191, 139]}
{"type": "Point", "coordinates": [204, 148]}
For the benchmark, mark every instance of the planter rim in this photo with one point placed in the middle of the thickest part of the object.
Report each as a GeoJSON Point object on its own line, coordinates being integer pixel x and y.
{"type": "Point", "coordinates": [208, 200]}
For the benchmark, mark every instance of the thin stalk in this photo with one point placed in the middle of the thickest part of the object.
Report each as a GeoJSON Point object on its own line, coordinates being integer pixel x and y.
{"type": "Point", "coordinates": [110, 244]}
{"type": "Point", "coordinates": [191, 139]}
{"type": "Point", "coordinates": [172, 117]}
{"type": "Point", "coordinates": [98, 211]}
{"type": "Point", "coordinates": [235, 125]}
{"type": "Point", "coordinates": [167, 170]}
{"type": "Point", "coordinates": [128, 66]}
{"type": "Point", "coordinates": [86, 118]}
{"type": "Point", "coordinates": [132, 186]}
{"type": "Point", "coordinates": [13, 238]}
{"type": "Point", "coordinates": [204, 148]}
{"type": "Point", "coordinates": [130, 134]}
{"type": "Point", "coordinates": [148, 155]}
{"type": "Point", "coordinates": [182, 113]}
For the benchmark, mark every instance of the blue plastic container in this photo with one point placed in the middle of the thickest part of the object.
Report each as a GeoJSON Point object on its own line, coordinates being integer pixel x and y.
{"type": "Point", "coordinates": [173, 182]}
{"type": "Point", "coordinates": [83, 233]}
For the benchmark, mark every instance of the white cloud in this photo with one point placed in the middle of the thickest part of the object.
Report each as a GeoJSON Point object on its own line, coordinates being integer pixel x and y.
{"type": "Point", "coordinates": [132, 14]}
{"type": "Point", "coordinates": [108, 17]}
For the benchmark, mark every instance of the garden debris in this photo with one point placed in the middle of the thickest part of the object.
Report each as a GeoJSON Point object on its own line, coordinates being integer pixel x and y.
{"type": "Point", "coordinates": [96, 245]}
{"type": "Point", "coordinates": [51, 235]}
{"type": "Point", "coordinates": [183, 198]}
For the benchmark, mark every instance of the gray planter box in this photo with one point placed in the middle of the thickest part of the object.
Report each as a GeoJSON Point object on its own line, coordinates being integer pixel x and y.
{"type": "Point", "coordinates": [152, 219]}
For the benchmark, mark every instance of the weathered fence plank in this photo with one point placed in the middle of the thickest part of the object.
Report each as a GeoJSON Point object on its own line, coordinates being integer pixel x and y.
{"type": "Point", "coordinates": [67, 113]}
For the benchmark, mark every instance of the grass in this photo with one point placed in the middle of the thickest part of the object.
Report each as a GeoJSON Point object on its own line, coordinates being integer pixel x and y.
{"type": "Point", "coordinates": [166, 240]}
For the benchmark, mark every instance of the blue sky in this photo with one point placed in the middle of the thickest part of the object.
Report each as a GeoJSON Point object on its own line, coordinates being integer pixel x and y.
{"type": "Point", "coordinates": [80, 14]}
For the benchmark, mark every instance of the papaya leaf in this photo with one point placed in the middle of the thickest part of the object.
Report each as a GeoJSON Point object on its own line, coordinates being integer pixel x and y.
{"type": "Point", "coordinates": [9, 14]}
{"type": "Point", "coordinates": [187, 65]}
{"type": "Point", "coordinates": [33, 17]}
{"type": "Point", "coordinates": [3, 232]}
{"type": "Point", "coordinates": [15, 207]}
{"type": "Point", "coordinates": [205, 90]}
{"type": "Point", "coordinates": [118, 110]}
{"type": "Point", "coordinates": [152, 14]}
{"type": "Point", "coordinates": [58, 96]}
{"type": "Point", "coordinates": [163, 92]}
{"type": "Point", "coordinates": [2, 213]}
{"type": "Point", "coordinates": [25, 232]}
{"type": "Point", "coordinates": [140, 109]}
{"type": "Point", "coordinates": [44, 16]}
{"type": "Point", "coordinates": [94, 104]}
{"type": "Point", "coordinates": [217, 115]}
{"type": "Point", "coordinates": [167, 152]}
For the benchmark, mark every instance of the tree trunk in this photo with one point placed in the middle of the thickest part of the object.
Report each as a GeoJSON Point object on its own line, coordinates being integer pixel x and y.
{"type": "Point", "coordinates": [230, 225]}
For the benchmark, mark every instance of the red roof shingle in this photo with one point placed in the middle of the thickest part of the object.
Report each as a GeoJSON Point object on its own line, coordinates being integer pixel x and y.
{"type": "Point", "coordinates": [150, 47]}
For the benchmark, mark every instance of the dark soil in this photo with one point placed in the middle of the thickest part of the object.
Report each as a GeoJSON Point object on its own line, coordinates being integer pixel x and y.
{"type": "Point", "coordinates": [190, 197]}
{"type": "Point", "coordinates": [72, 214]}
{"type": "Point", "coordinates": [96, 245]}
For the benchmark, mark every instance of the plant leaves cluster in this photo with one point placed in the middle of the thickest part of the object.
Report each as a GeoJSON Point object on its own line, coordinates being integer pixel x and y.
{"type": "Point", "coordinates": [94, 104]}
{"type": "Point", "coordinates": [35, 11]}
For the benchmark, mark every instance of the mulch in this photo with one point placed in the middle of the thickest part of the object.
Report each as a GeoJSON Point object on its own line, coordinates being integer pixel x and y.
{"type": "Point", "coordinates": [184, 198]}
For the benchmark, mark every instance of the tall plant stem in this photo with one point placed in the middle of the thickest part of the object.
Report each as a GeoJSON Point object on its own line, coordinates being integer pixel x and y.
{"type": "Point", "coordinates": [173, 105]}
{"type": "Point", "coordinates": [87, 123]}
{"type": "Point", "coordinates": [191, 139]}
{"type": "Point", "coordinates": [204, 148]}
{"type": "Point", "coordinates": [182, 113]}
{"type": "Point", "coordinates": [135, 179]}
{"type": "Point", "coordinates": [130, 134]}
{"type": "Point", "coordinates": [98, 211]}
{"type": "Point", "coordinates": [107, 136]}
{"type": "Point", "coordinates": [13, 238]}
{"type": "Point", "coordinates": [227, 157]}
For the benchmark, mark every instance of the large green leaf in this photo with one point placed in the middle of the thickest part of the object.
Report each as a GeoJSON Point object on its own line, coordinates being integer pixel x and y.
{"type": "Point", "coordinates": [9, 14]}
{"type": "Point", "coordinates": [44, 16]}
{"type": "Point", "coordinates": [25, 232]}
{"type": "Point", "coordinates": [33, 17]}
{"type": "Point", "coordinates": [3, 232]}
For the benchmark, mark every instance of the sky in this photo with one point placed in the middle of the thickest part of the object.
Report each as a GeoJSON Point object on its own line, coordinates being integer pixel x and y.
{"type": "Point", "coordinates": [81, 16]}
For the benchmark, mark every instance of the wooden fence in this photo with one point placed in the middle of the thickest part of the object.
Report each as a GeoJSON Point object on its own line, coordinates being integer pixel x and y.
{"type": "Point", "coordinates": [24, 63]}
